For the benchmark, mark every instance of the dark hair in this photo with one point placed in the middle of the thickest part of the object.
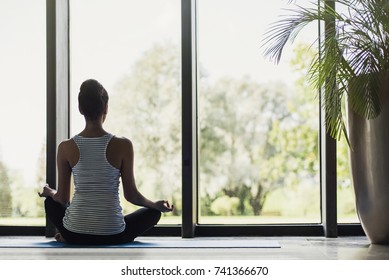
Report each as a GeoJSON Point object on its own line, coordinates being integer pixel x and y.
{"type": "Point", "coordinates": [92, 99]}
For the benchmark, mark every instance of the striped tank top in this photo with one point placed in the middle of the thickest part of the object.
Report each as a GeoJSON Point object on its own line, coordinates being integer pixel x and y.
{"type": "Point", "coordinates": [95, 206]}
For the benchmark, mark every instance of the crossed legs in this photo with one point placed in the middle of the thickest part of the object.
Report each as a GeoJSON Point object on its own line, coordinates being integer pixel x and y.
{"type": "Point", "coordinates": [137, 223]}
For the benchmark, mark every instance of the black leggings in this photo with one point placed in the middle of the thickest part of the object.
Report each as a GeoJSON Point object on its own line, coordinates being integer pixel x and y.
{"type": "Point", "coordinates": [136, 223]}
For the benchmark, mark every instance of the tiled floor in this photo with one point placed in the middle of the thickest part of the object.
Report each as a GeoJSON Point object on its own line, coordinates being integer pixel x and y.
{"type": "Point", "coordinates": [292, 248]}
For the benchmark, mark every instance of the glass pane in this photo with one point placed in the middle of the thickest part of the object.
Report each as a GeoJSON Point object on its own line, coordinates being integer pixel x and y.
{"type": "Point", "coordinates": [133, 49]}
{"type": "Point", "coordinates": [22, 111]}
{"type": "Point", "coordinates": [345, 191]}
{"type": "Point", "coordinates": [345, 195]}
{"type": "Point", "coordinates": [258, 122]}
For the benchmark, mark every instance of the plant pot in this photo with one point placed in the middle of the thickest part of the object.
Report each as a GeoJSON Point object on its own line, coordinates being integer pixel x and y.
{"type": "Point", "coordinates": [369, 160]}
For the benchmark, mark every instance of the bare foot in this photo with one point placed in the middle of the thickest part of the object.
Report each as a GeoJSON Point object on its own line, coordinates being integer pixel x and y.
{"type": "Point", "coordinates": [59, 238]}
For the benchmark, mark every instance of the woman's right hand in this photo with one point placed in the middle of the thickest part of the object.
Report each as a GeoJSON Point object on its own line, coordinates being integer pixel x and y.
{"type": "Point", "coordinates": [47, 191]}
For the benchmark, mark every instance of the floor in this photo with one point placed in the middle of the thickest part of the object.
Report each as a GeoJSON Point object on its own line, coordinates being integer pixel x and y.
{"type": "Point", "coordinates": [292, 248]}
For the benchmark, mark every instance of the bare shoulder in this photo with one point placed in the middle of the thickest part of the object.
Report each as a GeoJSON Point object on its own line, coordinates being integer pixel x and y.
{"type": "Point", "coordinates": [122, 143]}
{"type": "Point", "coordinates": [67, 145]}
{"type": "Point", "coordinates": [68, 152]}
{"type": "Point", "coordinates": [119, 151]}
{"type": "Point", "coordinates": [122, 140]}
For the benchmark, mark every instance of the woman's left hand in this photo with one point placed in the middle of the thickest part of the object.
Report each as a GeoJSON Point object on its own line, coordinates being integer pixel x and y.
{"type": "Point", "coordinates": [163, 206]}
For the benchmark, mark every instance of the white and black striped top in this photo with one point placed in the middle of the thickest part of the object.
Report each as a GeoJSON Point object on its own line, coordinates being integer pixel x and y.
{"type": "Point", "coordinates": [95, 207]}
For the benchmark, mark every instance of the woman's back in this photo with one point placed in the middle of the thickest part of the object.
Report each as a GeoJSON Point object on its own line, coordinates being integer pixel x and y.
{"type": "Point", "coordinates": [95, 207]}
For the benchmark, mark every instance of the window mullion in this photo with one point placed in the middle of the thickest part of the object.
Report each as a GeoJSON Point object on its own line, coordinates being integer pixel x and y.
{"type": "Point", "coordinates": [328, 162]}
{"type": "Point", "coordinates": [57, 53]}
{"type": "Point", "coordinates": [189, 118]}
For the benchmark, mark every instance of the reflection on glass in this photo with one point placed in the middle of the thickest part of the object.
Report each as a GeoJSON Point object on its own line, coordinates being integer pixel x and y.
{"type": "Point", "coordinates": [258, 123]}
{"type": "Point", "coordinates": [22, 111]}
{"type": "Point", "coordinates": [133, 49]}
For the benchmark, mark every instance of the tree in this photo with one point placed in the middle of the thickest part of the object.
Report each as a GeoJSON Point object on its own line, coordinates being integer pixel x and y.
{"type": "Point", "coordinates": [295, 141]}
{"type": "Point", "coordinates": [5, 192]}
{"type": "Point", "coordinates": [41, 181]}
{"type": "Point", "coordinates": [146, 107]}
{"type": "Point", "coordinates": [256, 138]}
{"type": "Point", "coordinates": [234, 124]}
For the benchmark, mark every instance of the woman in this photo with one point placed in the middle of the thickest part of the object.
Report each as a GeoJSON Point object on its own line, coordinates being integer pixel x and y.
{"type": "Point", "coordinates": [97, 160]}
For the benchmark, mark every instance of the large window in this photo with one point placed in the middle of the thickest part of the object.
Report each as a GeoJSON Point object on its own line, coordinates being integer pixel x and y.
{"type": "Point", "coordinates": [133, 49]}
{"type": "Point", "coordinates": [22, 111]}
{"type": "Point", "coordinates": [258, 123]}
{"type": "Point", "coordinates": [213, 123]}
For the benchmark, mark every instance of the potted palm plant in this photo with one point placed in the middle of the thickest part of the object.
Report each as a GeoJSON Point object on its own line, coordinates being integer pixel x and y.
{"type": "Point", "coordinates": [352, 66]}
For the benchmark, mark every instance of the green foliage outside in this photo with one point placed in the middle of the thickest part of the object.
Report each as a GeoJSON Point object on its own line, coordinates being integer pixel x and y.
{"type": "Point", "coordinates": [146, 108]}
{"type": "Point", "coordinates": [18, 199]}
{"type": "Point", "coordinates": [259, 143]}
{"type": "Point", "coordinates": [5, 192]}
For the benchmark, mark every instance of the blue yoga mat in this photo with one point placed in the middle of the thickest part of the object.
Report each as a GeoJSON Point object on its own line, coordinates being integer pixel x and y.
{"type": "Point", "coordinates": [147, 243]}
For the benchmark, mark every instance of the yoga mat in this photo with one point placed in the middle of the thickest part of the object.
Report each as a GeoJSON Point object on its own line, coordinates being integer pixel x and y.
{"type": "Point", "coordinates": [155, 243]}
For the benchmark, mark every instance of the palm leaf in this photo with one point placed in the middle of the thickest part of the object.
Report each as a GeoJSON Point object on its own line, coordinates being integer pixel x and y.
{"type": "Point", "coordinates": [353, 57]}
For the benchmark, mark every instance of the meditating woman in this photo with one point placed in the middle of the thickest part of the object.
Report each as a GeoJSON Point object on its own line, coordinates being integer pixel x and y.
{"type": "Point", "coordinates": [97, 160]}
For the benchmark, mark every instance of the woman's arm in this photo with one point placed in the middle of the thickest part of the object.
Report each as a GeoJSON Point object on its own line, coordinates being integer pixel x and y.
{"type": "Point", "coordinates": [130, 190]}
{"type": "Point", "coordinates": [62, 194]}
